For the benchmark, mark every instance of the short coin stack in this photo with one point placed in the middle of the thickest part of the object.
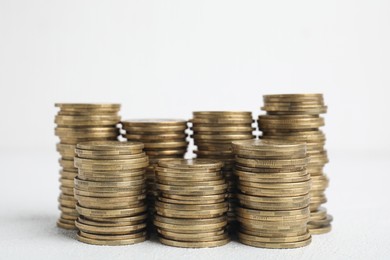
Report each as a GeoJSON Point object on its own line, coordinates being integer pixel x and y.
{"type": "Point", "coordinates": [296, 118]}
{"type": "Point", "coordinates": [163, 138]}
{"type": "Point", "coordinates": [273, 194]}
{"type": "Point", "coordinates": [213, 132]}
{"type": "Point", "coordinates": [79, 123]}
{"type": "Point", "coordinates": [110, 192]}
{"type": "Point", "coordinates": [191, 206]}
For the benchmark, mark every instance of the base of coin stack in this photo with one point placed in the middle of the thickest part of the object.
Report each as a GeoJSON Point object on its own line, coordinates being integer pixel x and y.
{"type": "Point", "coordinates": [213, 132]}
{"type": "Point", "coordinates": [296, 118]}
{"type": "Point", "coordinates": [110, 192]}
{"type": "Point", "coordinates": [191, 206]}
{"type": "Point", "coordinates": [79, 123]}
{"type": "Point", "coordinates": [273, 194]}
{"type": "Point", "coordinates": [163, 138]}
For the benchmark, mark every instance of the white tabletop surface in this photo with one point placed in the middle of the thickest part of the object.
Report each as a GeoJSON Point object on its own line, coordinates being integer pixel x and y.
{"type": "Point", "coordinates": [358, 198]}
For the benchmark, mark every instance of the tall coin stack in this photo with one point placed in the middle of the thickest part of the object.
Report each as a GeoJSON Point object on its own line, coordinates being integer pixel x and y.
{"type": "Point", "coordinates": [163, 138]}
{"type": "Point", "coordinates": [191, 206]}
{"type": "Point", "coordinates": [273, 194]}
{"type": "Point", "coordinates": [79, 123]}
{"type": "Point", "coordinates": [296, 118]}
{"type": "Point", "coordinates": [110, 192]}
{"type": "Point", "coordinates": [213, 132]}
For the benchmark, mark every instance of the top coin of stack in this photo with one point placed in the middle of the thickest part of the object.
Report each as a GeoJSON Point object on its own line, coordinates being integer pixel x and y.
{"type": "Point", "coordinates": [191, 206]}
{"type": "Point", "coordinates": [110, 192]}
{"type": "Point", "coordinates": [79, 123]}
{"type": "Point", "coordinates": [296, 118]}
{"type": "Point", "coordinates": [213, 132]}
{"type": "Point", "coordinates": [163, 138]}
{"type": "Point", "coordinates": [274, 193]}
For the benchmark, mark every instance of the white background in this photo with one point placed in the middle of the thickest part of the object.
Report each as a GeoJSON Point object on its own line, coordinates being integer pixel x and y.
{"type": "Point", "coordinates": [169, 58]}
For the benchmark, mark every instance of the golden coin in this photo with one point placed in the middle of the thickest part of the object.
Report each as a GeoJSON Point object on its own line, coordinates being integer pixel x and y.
{"type": "Point", "coordinates": [259, 238]}
{"type": "Point", "coordinates": [191, 214]}
{"type": "Point", "coordinates": [180, 164]}
{"type": "Point", "coordinates": [112, 167]}
{"type": "Point", "coordinates": [274, 213]}
{"type": "Point", "coordinates": [292, 199]}
{"type": "Point", "coordinates": [154, 122]}
{"type": "Point", "coordinates": [270, 171]}
{"type": "Point", "coordinates": [65, 225]}
{"type": "Point", "coordinates": [192, 198]}
{"type": "Point", "coordinates": [268, 145]}
{"type": "Point", "coordinates": [86, 199]}
{"type": "Point", "coordinates": [272, 192]}
{"type": "Point", "coordinates": [113, 122]}
{"type": "Point", "coordinates": [294, 97]}
{"type": "Point", "coordinates": [320, 230]}
{"type": "Point", "coordinates": [273, 206]}
{"type": "Point", "coordinates": [121, 221]}
{"type": "Point", "coordinates": [194, 244]}
{"type": "Point", "coordinates": [111, 145]}
{"type": "Point", "coordinates": [276, 242]}
{"type": "Point", "coordinates": [68, 175]}
{"type": "Point", "coordinates": [193, 228]}
{"type": "Point", "coordinates": [221, 121]}
{"type": "Point", "coordinates": [155, 129]}
{"type": "Point", "coordinates": [112, 237]}
{"type": "Point", "coordinates": [191, 207]}
{"type": "Point", "coordinates": [130, 241]}
{"type": "Point", "coordinates": [258, 217]}
{"type": "Point", "coordinates": [263, 178]}
{"type": "Point", "coordinates": [188, 222]}
{"type": "Point", "coordinates": [188, 178]}
{"type": "Point", "coordinates": [112, 230]}
{"type": "Point", "coordinates": [89, 106]}
{"type": "Point", "coordinates": [222, 113]}
{"type": "Point", "coordinates": [106, 194]}
{"type": "Point", "coordinates": [163, 145]}
{"type": "Point", "coordinates": [191, 182]}
{"type": "Point", "coordinates": [128, 212]}
{"type": "Point", "coordinates": [66, 190]}
{"type": "Point", "coordinates": [272, 163]}
{"type": "Point", "coordinates": [319, 214]}
{"type": "Point", "coordinates": [160, 137]}
{"type": "Point", "coordinates": [92, 184]}
{"type": "Point", "coordinates": [221, 137]}
{"type": "Point", "coordinates": [203, 236]}
{"type": "Point", "coordinates": [105, 190]}
{"type": "Point", "coordinates": [222, 129]}
{"type": "Point", "coordinates": [166, 152]}
{"type": "Point", "coordinates": [277, 186]}
{"type": "Point", "coordinates": [191, 188]}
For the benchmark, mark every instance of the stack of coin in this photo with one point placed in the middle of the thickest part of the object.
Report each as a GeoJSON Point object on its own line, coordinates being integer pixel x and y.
{"type": "Point", "coordinates": [79, 123]}
{"type": "Point", "coordinates": [110, 192]}
{"type": "Point", "coordinates": [213, 132]}
{"type": "Point", "coordinates": [191, 206]}
{"type": "Point", "coordinates": [296, 117]}
{"type": "Point", "coordinates": [163, 138]}
{"type": "Point", "coordinates": [273, 194]}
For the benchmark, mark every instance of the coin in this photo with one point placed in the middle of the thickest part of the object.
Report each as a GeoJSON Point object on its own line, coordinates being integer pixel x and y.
{"type": "Point", "coordinates": [274, 244]}
{"type": "Point", "coordinates": [111, 145]}
{"type": "Point", "coordinates": [216, 243]}
{"type": "Point", "coordinates": [130, 241]}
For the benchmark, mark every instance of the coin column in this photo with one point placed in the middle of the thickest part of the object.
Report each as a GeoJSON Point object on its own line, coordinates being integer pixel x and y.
{"type": "Point", "coordinates": [110, 192]}
{"type": "Point", "coordinates": [213, 133]}
{"type": "Point", "coordinates": [79, 123]}
{"type": "Point", "coordinates": [296, 118]}
{"type": "Point", "coordinates": [273, 194]}
{"type": "Point", "coordinates": [191, 206]}
{"type": "Point", "coordinates": [163, 138]}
